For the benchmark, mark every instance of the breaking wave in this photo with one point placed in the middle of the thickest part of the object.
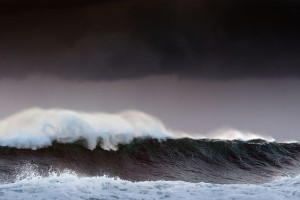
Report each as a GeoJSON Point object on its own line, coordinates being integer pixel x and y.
{"type": "Point", "coordinates": [36, 128]}
{"type": "Point", "coordinates": [137, 147]}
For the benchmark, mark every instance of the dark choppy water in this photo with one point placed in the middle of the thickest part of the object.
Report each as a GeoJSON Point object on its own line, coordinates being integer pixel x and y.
{"type": "Point", "coordinates": [210, 161]}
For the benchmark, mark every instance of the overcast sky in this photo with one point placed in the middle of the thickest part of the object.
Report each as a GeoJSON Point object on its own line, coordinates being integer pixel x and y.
{"type": "Point", "coordinates": [197, 65]}
{"type": "Point", "coordinates": [127, 39]}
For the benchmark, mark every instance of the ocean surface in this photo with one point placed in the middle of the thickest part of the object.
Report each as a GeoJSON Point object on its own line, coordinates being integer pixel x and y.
{"type": "Point", "coordinates": [59, 154]}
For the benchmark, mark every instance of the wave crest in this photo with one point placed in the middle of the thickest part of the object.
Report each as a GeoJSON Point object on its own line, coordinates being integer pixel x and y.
{"type": "Point", "coordinates": [36, 128]}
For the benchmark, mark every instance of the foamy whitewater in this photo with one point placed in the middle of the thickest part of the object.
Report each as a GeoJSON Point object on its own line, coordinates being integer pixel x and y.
{"type": "Point", "coordinates": [35, 128]}
{"type": "Point", "coordinates": [70, 186]}
{"type": "Point", "coordinates": [65, 154]}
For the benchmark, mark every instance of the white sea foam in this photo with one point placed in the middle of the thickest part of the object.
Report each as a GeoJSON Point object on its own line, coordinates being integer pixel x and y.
{"type": "Point", "coordinates": [35, 128]}
{"type": "Point", "coordinates": [232, 134]}
{"type": "Point", "coordinates": [70, 186]}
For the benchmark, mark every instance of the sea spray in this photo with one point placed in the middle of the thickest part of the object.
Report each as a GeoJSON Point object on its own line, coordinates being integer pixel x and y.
{"type": "Point", "coordinates": [36, 128]}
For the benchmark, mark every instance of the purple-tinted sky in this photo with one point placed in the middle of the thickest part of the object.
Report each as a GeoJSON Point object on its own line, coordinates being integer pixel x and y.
{"type": "Point", "coordinates": [197, 65]}
{"type": "Point", "coordinates": [269, 107]}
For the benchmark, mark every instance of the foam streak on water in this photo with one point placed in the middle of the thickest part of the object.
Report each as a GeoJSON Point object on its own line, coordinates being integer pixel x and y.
{"type": "Point", "coordinates": [70, 186]}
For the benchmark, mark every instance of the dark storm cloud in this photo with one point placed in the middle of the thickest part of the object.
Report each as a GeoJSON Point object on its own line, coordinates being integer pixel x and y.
{"type": "Point", "coordinates": [96, 40]}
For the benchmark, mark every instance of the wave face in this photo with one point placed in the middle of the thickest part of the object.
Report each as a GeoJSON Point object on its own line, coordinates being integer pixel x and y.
{"type": "Point", "coordinates": [70, 186]}
{"type": "Point", "coordinates": [204, 160]}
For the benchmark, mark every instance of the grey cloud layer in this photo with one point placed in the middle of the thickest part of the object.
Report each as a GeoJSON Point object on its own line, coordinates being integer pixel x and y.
{"type": "Point", "coordinates": [104, 40]}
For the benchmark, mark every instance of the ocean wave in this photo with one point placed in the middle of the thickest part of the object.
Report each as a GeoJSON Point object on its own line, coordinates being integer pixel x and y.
{"type": "Point", "coordinates": [214, 161]}
{"type": "Point", "coordinates": [37, 128]}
